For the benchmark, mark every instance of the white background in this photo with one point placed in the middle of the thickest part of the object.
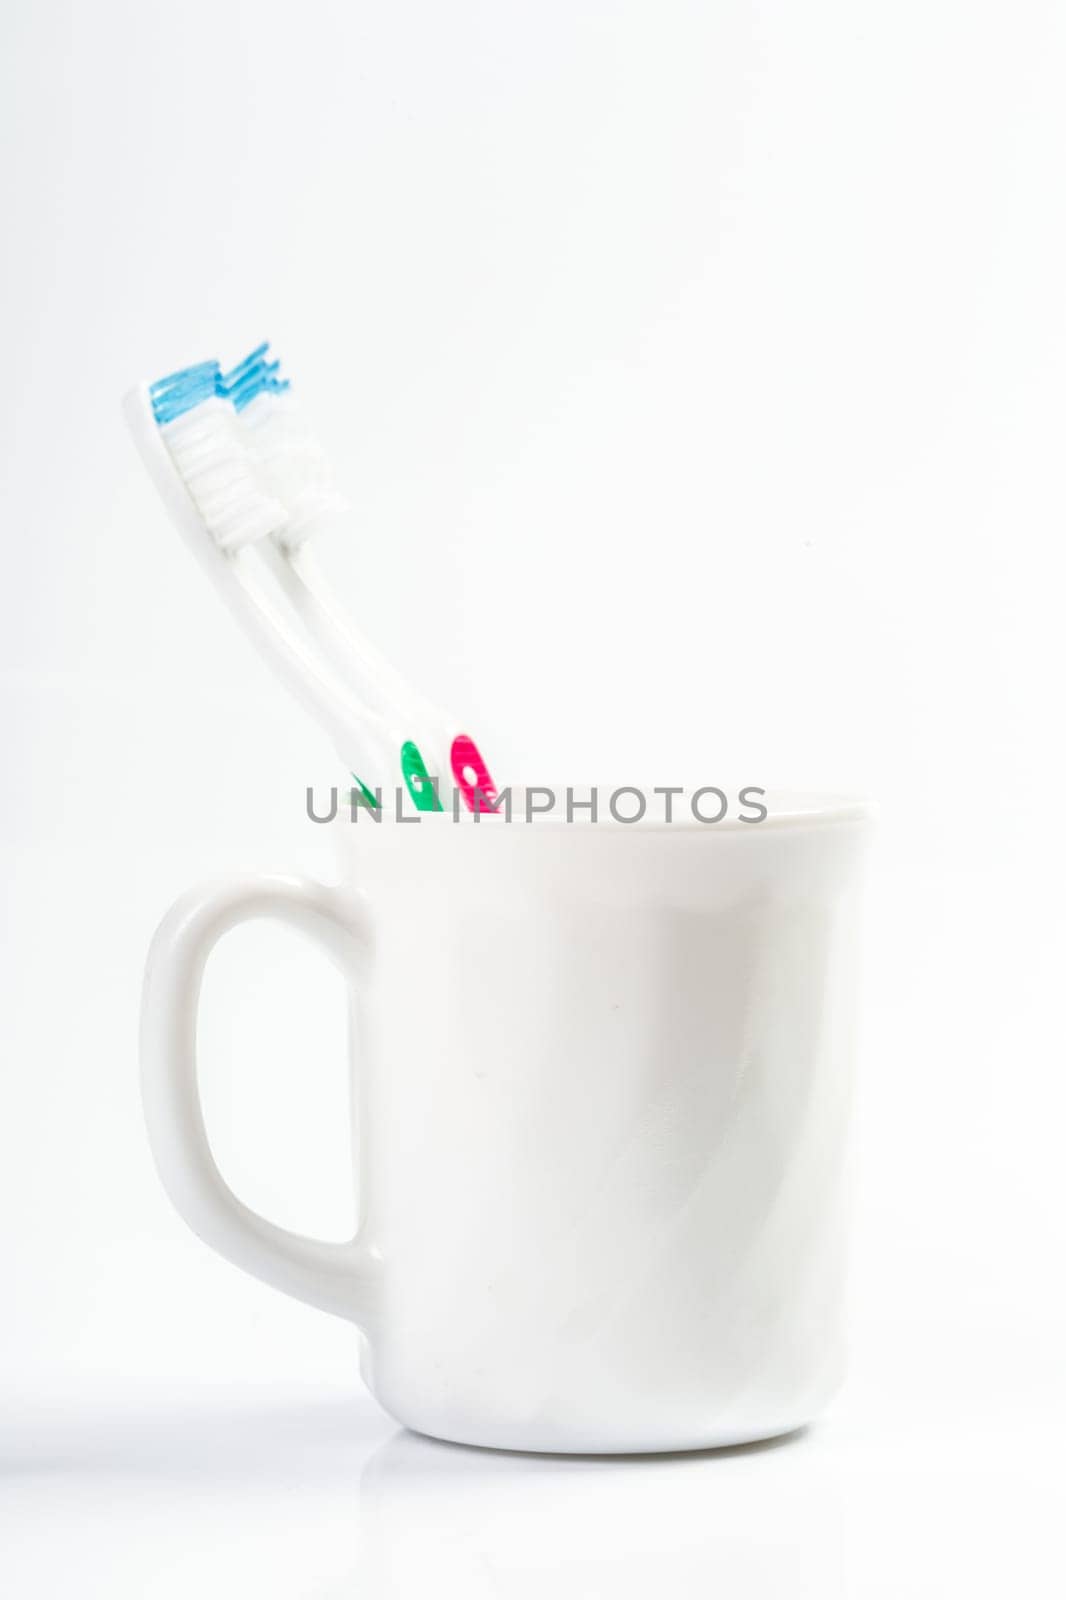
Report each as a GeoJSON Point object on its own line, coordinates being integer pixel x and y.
{"type": "Point", "coordinates": [698, 375]}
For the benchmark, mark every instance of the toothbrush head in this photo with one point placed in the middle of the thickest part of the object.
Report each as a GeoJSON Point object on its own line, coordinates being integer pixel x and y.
{"type": "Point", "coordinates": [244, 453]}
{"type": "Point", "coordinates": [291, 460]}
{"type": "Point", "coordinates": [198, 425]}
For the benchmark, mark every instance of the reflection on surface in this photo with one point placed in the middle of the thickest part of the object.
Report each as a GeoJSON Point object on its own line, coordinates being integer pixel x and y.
{"type": "Point", "coordinates": [310, 1493]}
{"type": "Point", "coordinates": [314, 1495]}
{"type": "Point", "coordinates": [443, 1519]}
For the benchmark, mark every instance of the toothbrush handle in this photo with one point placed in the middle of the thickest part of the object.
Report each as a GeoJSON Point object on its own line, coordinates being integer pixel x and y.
{"type": "Point", "coordinates": [350, 722]}
{"type": "Point", "coordinates": [349, 649]}
{"type": "Point", "coordinates": [351, 655]}
{"type": "Point", "coordinates": [341, 1278]}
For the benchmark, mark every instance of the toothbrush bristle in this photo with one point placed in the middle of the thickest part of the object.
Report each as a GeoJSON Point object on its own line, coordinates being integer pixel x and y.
{"type": "Point", "coordinates": [248, 459]}
{"type": "Point", "coordinates": [180, 392]}
{"type": "Point", "coordinates": [253, 376]}
{"type": "Point", "coordinates": [185, 375]}
{"type": "Point", "coordinates": [204, 443]}
{"type": "Point", "coordinates": [291, 458]}
{"type": "Point", "coordinates": [250, 360]}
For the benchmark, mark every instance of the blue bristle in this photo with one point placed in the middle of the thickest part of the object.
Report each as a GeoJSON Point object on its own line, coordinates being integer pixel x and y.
{"type": "Point", "coordinates": [254, 382]}
{"type": "Point", "coordinates": [172, 378]}
{"type": "Point", "coordinates": [252, 359]}
{"type": "Point", "coordinates": [250, 377]}
{"type": "Point", "coordinates": [232, 384]}
{"type": "Point", "coordinates": [180, 391]}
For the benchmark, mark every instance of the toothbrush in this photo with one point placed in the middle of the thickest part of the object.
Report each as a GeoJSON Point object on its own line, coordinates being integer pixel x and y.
{"type": "Point", "coordinates": [295, 467]}
{"type": "Point", "coordinates": [224, 492]}
{"type": "Point", "coordinates": [194, 456]}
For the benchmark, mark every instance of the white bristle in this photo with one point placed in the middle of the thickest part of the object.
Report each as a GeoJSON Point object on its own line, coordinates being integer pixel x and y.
{"type": "Point", "coordinates": [293, 464]}
{"type": "Point", "coordinates": [208, 447]}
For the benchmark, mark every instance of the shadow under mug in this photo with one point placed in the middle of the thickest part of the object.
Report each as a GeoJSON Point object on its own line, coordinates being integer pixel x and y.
{"type": "Point", "coordinates": [602, 1078]}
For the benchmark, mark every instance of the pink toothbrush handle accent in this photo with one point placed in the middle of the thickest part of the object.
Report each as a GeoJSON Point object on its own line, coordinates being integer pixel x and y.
{"type": "Point", "coordinates": [472, 775]}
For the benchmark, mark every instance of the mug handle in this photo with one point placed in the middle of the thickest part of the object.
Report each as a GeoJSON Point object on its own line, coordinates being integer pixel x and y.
{"type": "Point", "coordinates": [340, 1278]}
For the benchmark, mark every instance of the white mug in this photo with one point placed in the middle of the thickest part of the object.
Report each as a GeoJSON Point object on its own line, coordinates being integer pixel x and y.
{"type": "Point", "coordinates": [602, 1085]}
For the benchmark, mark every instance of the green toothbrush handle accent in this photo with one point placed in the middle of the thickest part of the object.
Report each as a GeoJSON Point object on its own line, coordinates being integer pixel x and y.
{"type": "Point", "coordinates": [368, 794]}
{"type": "Point", "coordinates": [420, 785]}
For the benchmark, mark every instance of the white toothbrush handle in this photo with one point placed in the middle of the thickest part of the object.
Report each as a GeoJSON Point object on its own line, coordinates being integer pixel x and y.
{"type": "Point", "coordinates": [356, 729]}
{"type": "Point", "coordinates": [352, 654]}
